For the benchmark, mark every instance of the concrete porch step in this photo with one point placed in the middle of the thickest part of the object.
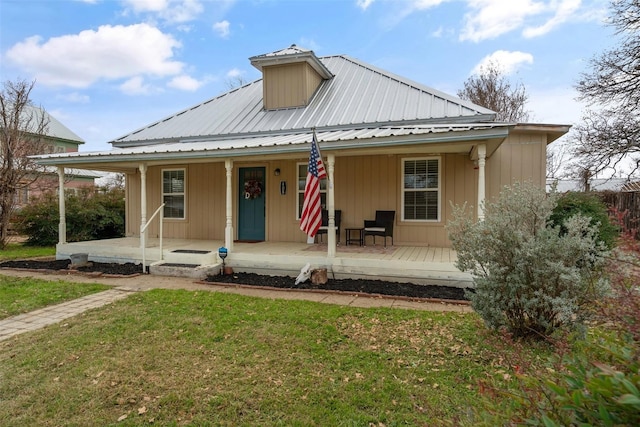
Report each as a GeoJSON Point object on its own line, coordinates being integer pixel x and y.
{"type": "Point", "coordinates": [193, 271]}
{"type": "Point", "coordinates": [187, 256]}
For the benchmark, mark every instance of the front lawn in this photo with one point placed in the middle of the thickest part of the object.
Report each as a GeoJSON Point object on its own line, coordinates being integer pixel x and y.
{"type": "Point", "coordinates": [20, 295]}
{"type": "Point", "coordinates": [21, 251]}
{"type": "Point", "coordinates": [168, 357]}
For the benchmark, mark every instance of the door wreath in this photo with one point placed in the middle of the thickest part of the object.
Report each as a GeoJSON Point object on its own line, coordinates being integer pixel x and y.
{"type": "Point", "coordinates": [252, 189]}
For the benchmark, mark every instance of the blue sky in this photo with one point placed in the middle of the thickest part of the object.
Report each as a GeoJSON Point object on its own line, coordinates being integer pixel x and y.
{"type": "Point", "coordinates": [107, 67]}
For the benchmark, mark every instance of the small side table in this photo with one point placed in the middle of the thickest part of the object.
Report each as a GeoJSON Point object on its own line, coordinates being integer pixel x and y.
{"type": "Point", "coordinates": [359, 232]}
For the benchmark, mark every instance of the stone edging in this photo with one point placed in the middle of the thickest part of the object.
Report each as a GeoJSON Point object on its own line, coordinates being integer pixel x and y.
{"type": "Point", "coordinates": [336, 292]}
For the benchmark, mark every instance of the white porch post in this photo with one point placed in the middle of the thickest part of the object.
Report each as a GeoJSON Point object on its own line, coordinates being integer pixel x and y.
{"type": "Point", "coordinates": [143, 203]}
{"type": "Point", "coordinates": [331, 231]}
{"type": "Point", "coordinates": [228, 230]}
{"type": "Point", "coordinates": [482, 156]}
{"type": "Point", "coordinates": [62, 224]}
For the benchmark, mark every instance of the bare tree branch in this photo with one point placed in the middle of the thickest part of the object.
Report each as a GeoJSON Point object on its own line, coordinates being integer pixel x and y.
{"type": "Point", "coordinates": [23, 130]}
{"type": "Point", "coordinates": [609, 139]}
{"type": "Point", "coordinates": [491, 89]}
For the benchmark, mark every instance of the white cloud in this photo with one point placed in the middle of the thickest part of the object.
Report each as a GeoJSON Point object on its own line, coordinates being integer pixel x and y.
{"type": "Point", "coordinates": [222, 28]}
{"type": "Point", "coordinates": [136, 86]}
{"type": "Point", "coordinates": [111, 52]}
{"type": "Point", "coordinates": [565, 11]}
{"type": "Point", "coordinates": [234, 72]}
{"type": "Point", "coordinates": [364, 4]}
{"type": "Point", "coordinates": [173, 11]}
{"type": "Point", "coordinates": [492, 18]}
{"type": "Point", "coordinates": [507, 61]}
{"type": "Point", "coordinates": [75, 97]}
{"type": "Point", "coordinates": [185, 82]}
{"type": "Point", "coordinates": [426, 4]}
{"type": "Point", "coordinates": [147, 5]}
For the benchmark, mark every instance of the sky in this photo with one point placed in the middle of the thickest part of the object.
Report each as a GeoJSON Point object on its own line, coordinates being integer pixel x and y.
{"type": "Point", "coordinates": [105, 68]}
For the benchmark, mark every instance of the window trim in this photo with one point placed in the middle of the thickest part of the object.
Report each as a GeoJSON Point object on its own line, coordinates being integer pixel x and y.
{"type": "Point", "coordinates": [184, 193]}
{"type": "Point", "coordinates": [438, 190]}
{"type": "Point", "coordinates": [299, 191]}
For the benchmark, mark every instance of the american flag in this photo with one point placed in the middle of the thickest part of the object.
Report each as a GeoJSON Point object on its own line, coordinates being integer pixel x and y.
{"type": "Point", "coordinates": [311, 217]}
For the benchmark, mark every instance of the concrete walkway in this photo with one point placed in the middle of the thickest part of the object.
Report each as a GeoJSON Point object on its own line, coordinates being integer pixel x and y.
{"type": "Point", "coordinates": [122, 287]}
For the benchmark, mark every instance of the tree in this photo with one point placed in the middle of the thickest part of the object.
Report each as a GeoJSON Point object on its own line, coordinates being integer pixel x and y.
{"type": "Point", "coordinates": [608, 136]}
{"type": "Point", "coordinates": [491, 89]}
{"type": "Point", "coordinates": [23, 129]}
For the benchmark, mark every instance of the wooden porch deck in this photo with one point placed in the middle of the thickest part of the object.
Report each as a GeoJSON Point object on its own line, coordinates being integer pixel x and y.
{"type": "Point", "coordinates": [416, 264]}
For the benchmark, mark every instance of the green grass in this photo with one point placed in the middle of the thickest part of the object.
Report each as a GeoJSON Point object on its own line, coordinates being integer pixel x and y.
{"type": "Point", "coordinates": [20, 251]}
{"type": "Point", "coordinates": [197, 358]}
{"type": "Point", "coordinates": [20, 295]}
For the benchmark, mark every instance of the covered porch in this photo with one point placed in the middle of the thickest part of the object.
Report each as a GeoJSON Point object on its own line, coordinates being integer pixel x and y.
{"type": "Point", "coordinates": [414, 264]}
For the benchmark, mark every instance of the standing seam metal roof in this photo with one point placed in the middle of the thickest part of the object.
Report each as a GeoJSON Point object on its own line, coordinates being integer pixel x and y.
{"type": "Point", "coordinates": [359, 95]}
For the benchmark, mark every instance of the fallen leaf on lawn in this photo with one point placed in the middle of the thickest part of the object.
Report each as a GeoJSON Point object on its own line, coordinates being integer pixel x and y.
{"type": "Point", "coordinates": [122, 417]}
{"type": "Point", "coordinates": [142, 410]}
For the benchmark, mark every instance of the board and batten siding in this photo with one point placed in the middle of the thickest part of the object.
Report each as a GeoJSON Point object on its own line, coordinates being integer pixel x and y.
{"type": "Point", "coordinates": [205, 202]}
{"type": "Point", "coordinates": [289, 85]}
{"type": "Point", "coordinates": [521, 158]}
{"type": "Point", "coordinates": [363, 184]}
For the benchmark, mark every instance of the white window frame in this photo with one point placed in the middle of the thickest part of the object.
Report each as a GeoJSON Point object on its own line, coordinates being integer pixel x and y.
{"type": "Point", "coordinates": [183, 194]}
{"type": "Point", "coordinates": [300, 192]}
{"type": "Point", "coordinates": [437, 189]}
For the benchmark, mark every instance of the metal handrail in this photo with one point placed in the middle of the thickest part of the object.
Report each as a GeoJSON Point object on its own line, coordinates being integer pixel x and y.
{"type": "Point", "coordinates": [143, 236]}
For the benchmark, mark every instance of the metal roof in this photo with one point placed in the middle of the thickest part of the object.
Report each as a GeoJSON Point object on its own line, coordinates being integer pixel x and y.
{"type": "Point", "coordinates": [55, 129]}
{"type": "Point", "coordinates": [358, 96]}
{"type": "Point", "coordinates": [464, 135]}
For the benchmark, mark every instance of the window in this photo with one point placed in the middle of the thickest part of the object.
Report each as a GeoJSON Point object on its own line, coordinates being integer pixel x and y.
{"type": "Point", "coordinates": [302, 180]}
{"type": "Point", "coordinates": [173, 193]}
{"type": "Point", "coordinates": [421, 189]}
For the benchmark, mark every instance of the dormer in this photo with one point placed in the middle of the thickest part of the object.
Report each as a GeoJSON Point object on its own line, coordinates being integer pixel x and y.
{"type": "Point", "coordinates": [290, 77]}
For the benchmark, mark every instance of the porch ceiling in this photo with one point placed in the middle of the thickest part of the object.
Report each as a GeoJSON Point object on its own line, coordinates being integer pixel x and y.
{"type": "Point", "coordinates": [427, 139]}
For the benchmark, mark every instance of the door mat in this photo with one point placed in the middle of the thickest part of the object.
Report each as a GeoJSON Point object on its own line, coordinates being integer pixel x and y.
{"type": "Point", "coordinates": [320, 247]}
{"type": "Point", "coordinates": [173, 264]}
{"type": "Point", "coordinates": [190, 251]}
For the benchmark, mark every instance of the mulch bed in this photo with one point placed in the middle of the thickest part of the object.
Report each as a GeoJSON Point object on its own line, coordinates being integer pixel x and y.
{"type": "Point", "coordinates": [110, 268]}
{"type": "Point", "coordinates": [409, 290]}
{"type": "Point", "coordinates": [364, 286]}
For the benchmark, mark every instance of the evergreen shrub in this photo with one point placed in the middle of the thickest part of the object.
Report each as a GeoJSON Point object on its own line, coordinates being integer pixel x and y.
{"type": "Point", "coordinates": [90, 215]}
{"type": "Point", "coordinates": [530, 276]}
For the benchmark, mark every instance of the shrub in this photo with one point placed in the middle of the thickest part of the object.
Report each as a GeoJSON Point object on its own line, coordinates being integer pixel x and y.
{"type": "Point", "coordinates": [530, 277]}
{"type": "Point", "coordinates": [589, 205]}
{"type": "Point", "coordinates": [89, 216]}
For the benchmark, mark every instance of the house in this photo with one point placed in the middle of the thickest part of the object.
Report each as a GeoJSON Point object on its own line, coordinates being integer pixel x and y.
{"type": "Point", "coordinates": [232, 169]}
{"type": "Point", "coordinates": [58, 139]}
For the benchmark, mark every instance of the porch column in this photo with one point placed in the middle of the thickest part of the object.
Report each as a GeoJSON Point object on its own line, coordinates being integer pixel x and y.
{"type": "Point", "coordinates": [331, 232]}
{"type": "Point", "coordinates": [482, 156]}
{"type": "Point", "coordinates": [228, 229]}
{"type": "Point", "coordinates": [143, 203]}
{"type": "Point", "coordinates": [62, 224]}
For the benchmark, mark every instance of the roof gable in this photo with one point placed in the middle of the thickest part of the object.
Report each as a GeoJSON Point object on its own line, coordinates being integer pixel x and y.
{"type": "Point", "coordinates": [359, 95]}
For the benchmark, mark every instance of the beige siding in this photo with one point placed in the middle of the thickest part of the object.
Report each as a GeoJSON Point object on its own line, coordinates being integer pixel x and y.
{"type": "Point", "coordinates": [290, 85]}
{"type": "Point", "coordinates": [521, 158]}
{"type": "Point", "coordinates": [205, 202]}
{"type": "Point", "coordinates": [363, 184]}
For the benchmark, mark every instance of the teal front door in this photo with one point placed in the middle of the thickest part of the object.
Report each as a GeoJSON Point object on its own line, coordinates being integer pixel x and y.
{"type": "Point", "coordinates": [251, 204]}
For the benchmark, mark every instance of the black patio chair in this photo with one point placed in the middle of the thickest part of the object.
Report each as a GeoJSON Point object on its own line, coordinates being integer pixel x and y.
{"type": "Point", "coordinates": [381, 226]}
{"type": "Point", "coordinates": [324, 227]}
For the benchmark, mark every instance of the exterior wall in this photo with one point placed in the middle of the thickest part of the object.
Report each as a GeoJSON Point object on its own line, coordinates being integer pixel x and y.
{"type": "Point", "coordinates": [205, 202]}
{"type": "Point", "coordinates": [290, 85]}
{"type": "Point", "coordinates": [363, 184]}
{"type": "Point", "coordinates": [522, 157]}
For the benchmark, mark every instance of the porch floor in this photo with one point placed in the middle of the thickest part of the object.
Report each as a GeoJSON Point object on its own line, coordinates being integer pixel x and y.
{"type": "Point", "coordinates": [416, 264]}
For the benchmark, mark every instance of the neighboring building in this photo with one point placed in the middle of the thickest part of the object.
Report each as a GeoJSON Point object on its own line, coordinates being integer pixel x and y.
{"type": "Point", "coordinates": [388, 143]}
{"type": "Point", "coordinates": [59, 139]}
